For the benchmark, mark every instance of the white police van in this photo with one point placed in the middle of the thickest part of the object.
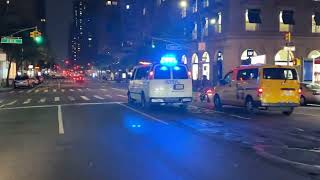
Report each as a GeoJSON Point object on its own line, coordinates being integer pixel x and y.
{"type": "Point", "coordinates": [163, 83]}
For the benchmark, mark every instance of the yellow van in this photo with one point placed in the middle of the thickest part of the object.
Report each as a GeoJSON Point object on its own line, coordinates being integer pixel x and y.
{"type": "Point", "coordinates": [260, 87]}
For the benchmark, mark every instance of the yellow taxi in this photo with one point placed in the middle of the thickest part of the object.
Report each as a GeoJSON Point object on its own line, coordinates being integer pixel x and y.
{"type": "Point", "coordinates": [260, 87]}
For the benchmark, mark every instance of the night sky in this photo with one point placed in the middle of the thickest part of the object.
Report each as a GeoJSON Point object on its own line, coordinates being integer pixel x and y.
{"type": "Point", "coordinates": [59, 17]}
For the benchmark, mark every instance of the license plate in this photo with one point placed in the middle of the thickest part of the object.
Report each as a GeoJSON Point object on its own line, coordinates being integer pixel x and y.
{"type": "Point", "coordinates": [178, 87]}
{"type": "Point", "coordinates": [288, 93]}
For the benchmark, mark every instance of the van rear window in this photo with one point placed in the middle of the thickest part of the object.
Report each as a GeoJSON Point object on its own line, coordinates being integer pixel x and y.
{"type": "Point", "coordinates": [280, 73]}
{"type": "Point", "coordinates": [162, 72]}
{"type": "Point", "coordinates": [180, 72]}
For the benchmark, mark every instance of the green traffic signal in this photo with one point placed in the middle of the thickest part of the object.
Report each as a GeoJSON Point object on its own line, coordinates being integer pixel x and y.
{"type": "Point", "coordinates": [38, 39]}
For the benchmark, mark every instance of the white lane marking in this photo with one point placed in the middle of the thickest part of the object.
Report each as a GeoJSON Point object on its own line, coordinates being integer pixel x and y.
{"type": "Point", "coordinates": [122, 96]}
{"type": "Point", "coordinates": [49, 106]}
{"type": "Point", "coordinates": [27, 101]}
{"type": "Point", "coordinates": [85, 98]}
{"type": "Point", "coordinates": [46, 90]}
{"type": "Point", "coordinates": [12, 103]}
{"type": "Point", "coordinates": [56, 99]}
{"type": "Point", "coordinates": [54, 90]}
{"type": "Point", "coordinates": [21, 91]}
{"type": "Point", "coordinates": [29, 91]}
{"type": "Point", "coordinates": [88, 89]}
{"type": "Point", "coordinates": [240, 117]}
{"type": "Point", "coordinates": [107, 95]}
{"type": "Point", "coordinates": [37, 91]}
{"type": "Point", "coordinates": [308, 114]}
{"type": "Point", "coordinates": [42, 100]}
{"type": "Point", "coordinates": [144, 114]}
{"type": "Point", "coordinates": [71, 98]}
{"type": "Point", "coordinates": [11, 92]}
{"type": "Point", "coordinates": [117, 89]}
{"type": "Point", "coordinates": [103, 89]}
{"type": "Point", "coordinates": [98, 97]}
{"type": "Point", "coordinates": [71, 90]}
{"type": "Point", "coordinates": [80, 90]}
{"type": "Point", "coordinates": [60, 120]}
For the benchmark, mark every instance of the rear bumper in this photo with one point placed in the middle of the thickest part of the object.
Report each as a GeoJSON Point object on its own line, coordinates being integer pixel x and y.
{"type": "Point", "coordinates": [261, 104]}
{"type": "Point", "coordinates": [171, 100]}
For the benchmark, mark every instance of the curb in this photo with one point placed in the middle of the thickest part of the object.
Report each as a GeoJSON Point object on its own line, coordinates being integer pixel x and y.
{"type": "Point", "coordinates": [260, 150]}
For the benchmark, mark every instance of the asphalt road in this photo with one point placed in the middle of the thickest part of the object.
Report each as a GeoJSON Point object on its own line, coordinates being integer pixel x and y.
{"type": "Point", "coordinates": [62, 130]}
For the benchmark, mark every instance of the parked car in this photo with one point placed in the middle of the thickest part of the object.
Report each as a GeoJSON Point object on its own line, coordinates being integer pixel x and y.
{"type": "Point", "coordinates": [23, 81]}
{"type": "Point", "coordinates": [310, 94]}
{"type": "Point", "coordinates": [260, 87]}
{"type": "Point", "coordinates": [40, 79]}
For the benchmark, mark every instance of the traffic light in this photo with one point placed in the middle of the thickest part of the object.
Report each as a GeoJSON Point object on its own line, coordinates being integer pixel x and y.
{"type": "Point", "coordinates": [32, 34]}
{"type": "Point", "coordinates": [37, 36]}
{"type": "Point", "coordinates": [287, 36]}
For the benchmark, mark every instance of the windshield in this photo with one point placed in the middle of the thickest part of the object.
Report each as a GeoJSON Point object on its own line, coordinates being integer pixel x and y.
{"type": "Point", "coordinates": [279, 74]}
{"type": "Point", "coordinates": [159, 89]}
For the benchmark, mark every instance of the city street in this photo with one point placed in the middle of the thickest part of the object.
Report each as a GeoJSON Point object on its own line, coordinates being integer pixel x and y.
{"type": "Point", "coordinates": [62, 130]}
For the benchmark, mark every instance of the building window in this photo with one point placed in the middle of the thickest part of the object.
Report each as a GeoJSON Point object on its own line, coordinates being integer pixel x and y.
{"type": "Point", "coordinates": [205, 3]}
{"type": "Point", "coordinates": [144, 11]}
{"type": "Point", "coordinates": [195, 7]}
{"type": "Point", "coordinates": [206, 27]}
{"type": "Point", "coordinates": [108, 3]}
{"type": "Point", "coordinates": [253, 19]}
{"type": "Point", "coordinates": [195, 32]}
{"type": "Point", "coordinates": [114, 3]}
{"type": "Point", "coordinates": [184, 12]}
{"type": "Point", "coordinates": [286, 21]}
{"type": "Point", "coordinates": [316, 22]}
{"type": "Point", "coordinates": [218, 23]}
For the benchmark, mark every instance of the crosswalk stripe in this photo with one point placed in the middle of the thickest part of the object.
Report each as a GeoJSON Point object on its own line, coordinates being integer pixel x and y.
{"type": "Point", "coordinates": [37, 91]}
{"type": "Point", "coordinates": [21, 91]}
{"type": "Point", "coordinates": [79, 89]}
{"type": "Point", "coordinates": [46, 90]}
{"type": "Point", "coordinates": [98, 97]}
{"type": "Point", "coordinates": [85, 98]}
{"type": "Point", "coordinates": [103, 89]}
{"type": "Point", "coordinates": [54, 90]}
{"type": "Point", "coordinates": [42, 100]}
{"type": "Point", "coordinates": [62, 90]}
{"type": "Point", "coordinates": [71, 98]}
{"type": "Point", "coordinates": [29, 91]}
{"type": "Point", "coordinates": [27, 101]}
{"type": "Point", "coordinates": [107, 95]}
{"type": "Point", "coordinates": [56, 99]}
{"type": "Point", "coordinates": [12, 103]}
{"type": "Point", "coordinates": [11, 92]}
{"type": "Point", "coordinates": [88, 89]}
{"type": "Point", "coordinates": [122, 96]}
{"type": "Point", "coordinates": [71, 90]}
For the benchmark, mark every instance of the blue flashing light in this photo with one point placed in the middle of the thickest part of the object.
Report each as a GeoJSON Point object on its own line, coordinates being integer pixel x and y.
{"type": "Point", "coordinates": [176, 68]}
{"type": "Point", "coordinates": [169, 60]}
{"type": "Point", "coordinates": [164, 68]}
{"type": "Point", "coordinates": [153, 46]}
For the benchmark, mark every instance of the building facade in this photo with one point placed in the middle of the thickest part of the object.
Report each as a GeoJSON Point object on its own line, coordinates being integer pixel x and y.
{"type": "Point", "coordinates": [232, 30]}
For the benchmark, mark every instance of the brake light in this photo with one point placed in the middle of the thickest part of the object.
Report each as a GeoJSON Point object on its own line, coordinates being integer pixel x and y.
{"type": "Point", "coordinates": [260, 91]}
{"type": "Point", "coordinates": [209, 92]}
{"type": "Point", "coordinates": [190, 74]}
{"type": "Point", "coordinates": [151, 75]}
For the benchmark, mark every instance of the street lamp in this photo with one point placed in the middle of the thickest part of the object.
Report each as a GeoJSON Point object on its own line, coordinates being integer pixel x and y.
{"type": "Point", "coordinates": [213, 21]}
{"type": "Point", "coordinates": [183, 4]}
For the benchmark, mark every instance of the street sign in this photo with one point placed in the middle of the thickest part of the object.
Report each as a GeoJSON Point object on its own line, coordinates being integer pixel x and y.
{"type": "Point", "coordinates": [11, 40]}
{"type": "Point", "coordinates": [173, 47]}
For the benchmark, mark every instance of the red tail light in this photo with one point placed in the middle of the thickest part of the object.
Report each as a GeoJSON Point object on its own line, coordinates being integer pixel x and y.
{"type": "Point", "coordinates": [209, 92]}
{"type": "Point", "coordinates": [260, 91]}
{"type": "Point", "coordinates": [190, 74]}
{"type": "Point", "coordinates": [151, 75]}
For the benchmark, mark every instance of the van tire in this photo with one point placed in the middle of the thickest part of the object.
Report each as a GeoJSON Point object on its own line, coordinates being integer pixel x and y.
{"type": "Point", "coordinates": [144, 103]}
{"type": "Point", "coordinates": [288, 113]}
{"type": "Point", "coordinates": [217, 102]}
{"type": "Point", "coordinates": [249, 105]}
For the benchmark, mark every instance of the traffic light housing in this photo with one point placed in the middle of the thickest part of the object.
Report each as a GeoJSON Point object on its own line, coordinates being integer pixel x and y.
{"type": "Point", "coordinates": [37, 36]}
{"type": "Point", "coordinates": [287, 36]}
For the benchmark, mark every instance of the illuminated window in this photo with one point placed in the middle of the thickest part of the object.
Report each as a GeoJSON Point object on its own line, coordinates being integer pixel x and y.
{"type": "Point", "coordinates": [195, 7]}
{"type": "Point", "coordinates": [217, 23]}
{"type": "Point", "coordinates": [144, 11]}
{"type": "Point", "coordinates": [253, 19]}
{"type": "Point", "coordinates": [108, 3]}
{"type": "Point", "coordinates": [195, 32]}
{"type": "Point", "coordinates": [183, 12]}
{"type": "Point", "coordinates": [286, 21]}
{"type": "Point", "coordinates": [127, 6]}
{"type": "Point", "coordinates": [316, 22]}
{"type": "Point", "coordinates": [205, 3]}
{"type": "Point", "coordinates": [114, 3]}
{"type": "Point", "coordinates": [206, 27]}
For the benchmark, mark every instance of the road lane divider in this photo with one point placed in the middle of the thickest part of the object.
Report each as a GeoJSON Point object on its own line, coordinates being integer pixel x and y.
{"type": "Point", "coordinates": [60, 120]}
{"type": "Point", "coordinates": [143, 114]}
{"type": "Point", "coordinates": [9, 104]}
{"type": "Point", "coordinates": [85, 98]}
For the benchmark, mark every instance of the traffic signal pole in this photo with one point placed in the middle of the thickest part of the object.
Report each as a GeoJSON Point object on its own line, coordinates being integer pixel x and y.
{"type": "Point", "coordinates": [23, 30]}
